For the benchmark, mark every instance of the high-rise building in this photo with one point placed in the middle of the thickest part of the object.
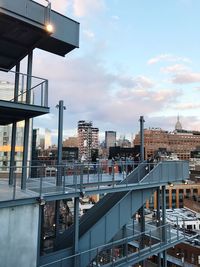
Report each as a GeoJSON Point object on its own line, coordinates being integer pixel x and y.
{"type": "Point", "coordinates": [88, 139]}
{"type": "Point", "coordinates": [180, 142]}
{"type": "Point", "coordinates": [47, 139]}
{"type": "Point", "coordinates": [110, 139]}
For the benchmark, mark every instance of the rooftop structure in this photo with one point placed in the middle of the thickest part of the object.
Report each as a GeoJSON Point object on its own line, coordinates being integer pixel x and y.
{"type": "Point", "coordinates": [178, 125]}
{"type": "Point", "coordinates": [88, 139]}
{"type": "Point", "coordinates": [181, 142]}
{"type": "Point", "coordinates": [110, 139]}
{"type": "Point", "coordinates": [38, 229]}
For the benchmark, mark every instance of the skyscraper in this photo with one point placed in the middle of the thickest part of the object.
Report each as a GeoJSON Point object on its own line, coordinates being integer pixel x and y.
{"type": "Point", "coordinates": [110, 139]}
{"type": "Point", "coordinates": [88, 139]}
{"type": "Point", "coordinates": [47, 139]}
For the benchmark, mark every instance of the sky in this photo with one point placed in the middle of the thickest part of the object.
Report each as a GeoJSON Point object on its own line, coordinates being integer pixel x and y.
{"type": "Point", "coordinates": [136, 58]}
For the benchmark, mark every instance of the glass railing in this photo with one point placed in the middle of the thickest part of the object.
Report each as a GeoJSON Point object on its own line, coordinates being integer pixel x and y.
{"type": "Point", "coordinates": [31, 90]}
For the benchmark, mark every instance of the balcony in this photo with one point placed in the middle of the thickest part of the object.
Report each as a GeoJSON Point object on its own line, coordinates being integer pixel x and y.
{"type": "Point", "coordinates": [23, 28]}
{"type": "Point", "coordinates": [25, 103]}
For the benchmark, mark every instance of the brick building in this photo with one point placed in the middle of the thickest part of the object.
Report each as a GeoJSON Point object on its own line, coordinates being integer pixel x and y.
{"type": "Point", "coordinates": [180, 141]}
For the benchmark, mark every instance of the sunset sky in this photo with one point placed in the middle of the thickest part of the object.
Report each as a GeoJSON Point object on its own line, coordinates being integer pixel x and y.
{"type": "Point", "coordinates": [136, 57]}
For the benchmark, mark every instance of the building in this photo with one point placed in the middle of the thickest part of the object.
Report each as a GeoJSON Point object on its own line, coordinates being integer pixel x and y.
{"type": "Point", "coordinates": [37, 227]}
{"type": "Point", "coordinates": [88, 139]}
{"type": "Point", "coordinates": [110, 139]}
{"type": "Point", "coordinates": [177, 195]}
{"type": "Point", "coordinates": [5, 145]}
{"type": "Point", "coordinates": [6, 93]}
{"type": "Point", "coordinates": [180, 142]}
{"type": "Point", "coordinates": [25, 26]}
{"type": "Point", "coordinates": [70, 142]}
{"type": "Point", "coordinates": [47, 139]}
{"type": "Point", "coordinates": [123, 142]}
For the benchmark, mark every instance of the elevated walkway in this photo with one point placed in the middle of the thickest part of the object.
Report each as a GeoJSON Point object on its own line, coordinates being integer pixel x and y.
{"type": "Point", "coordinates": [100, 225]}
{"type": "Point", "coordinates": [105, 219]}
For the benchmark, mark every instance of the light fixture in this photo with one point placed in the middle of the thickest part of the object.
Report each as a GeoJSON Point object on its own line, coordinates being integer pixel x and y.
{"type": "Point", "coordinates": [185, 181]}
{"type": "Point", "coordinates": [48, 25]}
{"type": "Point", "coordinates": [170, 184]}
{"type": "Point", "coordinates": [49, 28]}
{"type": "Point", "coordinates": [41, 201]}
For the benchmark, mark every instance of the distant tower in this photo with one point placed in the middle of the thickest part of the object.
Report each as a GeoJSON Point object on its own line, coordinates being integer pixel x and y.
{"type": "Point", "coordinates": [47, 139]}
{"type": "Point", "coordinates": [88, 139]}
{"type": "Point", "coordinates": [178, 125]}
{"type": "Point", "coordinates": [110, 139]}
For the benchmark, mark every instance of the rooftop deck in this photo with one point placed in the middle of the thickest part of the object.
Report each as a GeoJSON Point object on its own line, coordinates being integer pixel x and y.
{"type": "Point", "coordinates": [89, 179]}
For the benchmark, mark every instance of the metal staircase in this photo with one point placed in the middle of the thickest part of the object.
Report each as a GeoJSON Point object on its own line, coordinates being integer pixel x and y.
{"type": "Point", "coordinates": [105, 219]}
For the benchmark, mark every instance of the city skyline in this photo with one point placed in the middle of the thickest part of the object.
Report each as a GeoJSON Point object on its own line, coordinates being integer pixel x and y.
{"type": "Point", "coordinates": [134, 59]}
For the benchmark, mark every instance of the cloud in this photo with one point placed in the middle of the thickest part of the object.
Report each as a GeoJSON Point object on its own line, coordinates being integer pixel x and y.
{"type": "Point", "coordinates": [140, 82]}
{"type": "Point", "coordinates": [186, 106]}
{"type": "Point", "coordinates": [87, 7]}
{"type": "Point", "coordinates": [89, 34]}
{"type": "Point", "coordinates": [181, 74]}
{"type": "Point", "coordinates": [144, 82]}
{"type": "Point", "coordinates": [177, 68]}
{"type": "Point", "coordinates": [167, 58]}
{"type": "Point", "coordinates": [186, 78]}
{"type": "Point", "coordinates": [91, 92]}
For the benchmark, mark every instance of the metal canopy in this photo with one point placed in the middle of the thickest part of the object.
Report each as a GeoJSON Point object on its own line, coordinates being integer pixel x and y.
{"type": "Point", "coordinates": [13, 112]}
{"type": "Point", "coordinates": [17, 39]}
{"type": "Point", "coordinates": [23, 28]}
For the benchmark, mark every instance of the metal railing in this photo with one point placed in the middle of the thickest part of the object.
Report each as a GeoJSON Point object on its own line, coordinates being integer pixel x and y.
{"type": "Point", "coordinates": [87, 177]}
{"type": "Point", "coordinates": [126, 249]}
{"type": "Point", "coordinates": [36, 95]}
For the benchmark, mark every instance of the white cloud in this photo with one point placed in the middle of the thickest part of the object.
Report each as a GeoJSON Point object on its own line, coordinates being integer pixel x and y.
{"type": "Point", "coordinates": [187, 77]}
{"type": "Point", "coordinates": [89, 34]}
{"type": "Point", "coordinates": [167, 58]}
{"type": "Point", "coordinates": [140, 82]}
{"type": "Point", "coordinates": [177, 68]}
{"type": "Point", "coordinates": [144, 82]}
{"type": "Point", "coordinates": [90, 92]}
{"type": "Point", "coordinates": [87, 7]}
{"type": "Point", "coordinates": [186, 106]}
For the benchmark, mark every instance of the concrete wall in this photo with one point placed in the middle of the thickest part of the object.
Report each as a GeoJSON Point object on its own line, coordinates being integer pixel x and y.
{"type": "Point", "coordinates": [19, 236]}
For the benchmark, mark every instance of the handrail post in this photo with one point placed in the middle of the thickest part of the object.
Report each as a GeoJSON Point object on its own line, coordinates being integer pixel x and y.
{"type": "Point", "coordinates": [42, 95]}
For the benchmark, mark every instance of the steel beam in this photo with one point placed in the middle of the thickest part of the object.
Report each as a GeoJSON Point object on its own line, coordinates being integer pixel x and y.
{"type": "Point", "coordinates": [76, 229]}
{"type": "Point", "coordinates": [142, 138]}
{"type": "Point", "coordinates": [164, 264]}
{"type": "Point", "coordinates": [14, 128]}
{"type": "Point", "coordinates": [61, 107]}
{"type": "Point", "coordinates": [158, 207]}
